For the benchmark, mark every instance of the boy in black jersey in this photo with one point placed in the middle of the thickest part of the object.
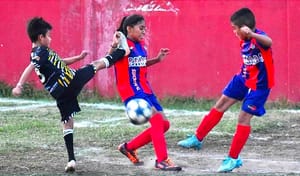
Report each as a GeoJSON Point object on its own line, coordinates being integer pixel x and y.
{"type": "Point", "coordinates": [63, 82]}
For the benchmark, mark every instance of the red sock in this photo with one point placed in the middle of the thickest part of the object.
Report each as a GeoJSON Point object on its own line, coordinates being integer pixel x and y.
{"type": "Point", "coordinates": [208, 123]}
{"type": "Point", "coordinates": [140, 140]}
{"type": "Point", "coordinates": [239, 140]}
{"type": "Point", "coordinates": [158, 137]}
{"type": "Point", "coordinates": [145, 137]}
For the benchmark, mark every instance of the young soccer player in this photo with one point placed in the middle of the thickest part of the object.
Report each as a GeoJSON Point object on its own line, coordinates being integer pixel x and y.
{"type": "Point", "coordinates": [63, 82]}
{"type": "Point", "coordinates": [251, 85]}
{"type": "Point", "coordinates": [131, 80]}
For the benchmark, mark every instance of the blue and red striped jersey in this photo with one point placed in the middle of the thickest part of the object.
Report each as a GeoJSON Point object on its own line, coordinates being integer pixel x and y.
{"type": "Point", "coordinates": [131, 72]}
{"type": "Point", "coordinates": [257, 70]}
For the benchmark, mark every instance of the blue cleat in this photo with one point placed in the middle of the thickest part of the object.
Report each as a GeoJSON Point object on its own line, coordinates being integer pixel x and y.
{"type": "Point", "coordinates": [191, 142]}
{"type": "Point", "coordinates": [229, 164]}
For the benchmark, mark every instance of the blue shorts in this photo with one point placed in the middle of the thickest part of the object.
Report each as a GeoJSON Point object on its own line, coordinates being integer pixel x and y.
{"type": "Point", "coordinates": [253, 100]}
{"type": "Point", "coordinates": [150, 98]}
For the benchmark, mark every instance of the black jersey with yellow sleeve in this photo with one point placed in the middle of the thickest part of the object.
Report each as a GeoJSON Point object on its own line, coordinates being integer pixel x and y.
{"type": "Point", "coordinates": [53, 73]}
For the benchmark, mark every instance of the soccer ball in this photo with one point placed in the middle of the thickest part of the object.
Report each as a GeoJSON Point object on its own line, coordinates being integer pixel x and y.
{"type": "Point", "coordinates": [139, 111]}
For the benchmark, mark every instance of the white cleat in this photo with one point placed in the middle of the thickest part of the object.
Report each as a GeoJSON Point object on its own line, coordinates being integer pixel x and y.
{"type": "Point", "coordinates": [123, 43]}
{"type": "Point", "coordinates": [70, 166]}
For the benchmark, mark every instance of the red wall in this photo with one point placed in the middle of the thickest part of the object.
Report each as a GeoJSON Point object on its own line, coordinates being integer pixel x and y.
{"type": "Point", "coordinates": [204, 50]}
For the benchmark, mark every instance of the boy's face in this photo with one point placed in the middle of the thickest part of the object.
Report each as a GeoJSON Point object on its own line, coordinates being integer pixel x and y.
{"type": "Point", "coordinates": [238, 32]}
{"type": "Point", "coordinates": [45, 40]}
{"type": "Point", "coordinates": [137, 32]}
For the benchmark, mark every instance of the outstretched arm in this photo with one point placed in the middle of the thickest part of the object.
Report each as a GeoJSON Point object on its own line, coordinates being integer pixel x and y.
{"type": "Point", "coordinates": [71, 60]}
{"type": "Point", "coordinates": [17, 91]}
{"type": "Point", "coordinates": [160, 57]}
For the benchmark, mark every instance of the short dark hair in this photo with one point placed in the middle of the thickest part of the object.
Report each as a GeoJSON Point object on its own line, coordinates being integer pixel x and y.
{"type": "Point", "coordinates": [130, 20]}
{"type": "Point", "coordinates": [243, 16]}
{"type": "Point", "coordinates": [37, 26]}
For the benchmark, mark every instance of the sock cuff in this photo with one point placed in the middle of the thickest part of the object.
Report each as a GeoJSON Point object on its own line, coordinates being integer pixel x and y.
{"type": "Point", "coordinates": [68, 131]}
{"type": "Point", "coordinates": [106, 62]}
{"type": "Point", "coordinates": [215, 111]}
{"type": "Point", "coordinates": [243, 127]}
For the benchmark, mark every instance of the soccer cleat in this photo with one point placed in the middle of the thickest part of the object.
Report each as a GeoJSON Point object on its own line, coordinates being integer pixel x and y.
{"type": "Point", "coordinates": [70, 166]}
{"type": "Point", "coordinates": [123, 43]}
{"type": "Point", "coordinates": [191, 142]}
{"type": "Point", "coordinates": [229, 164]}
{"type": "Point", "coordinates": [167, 165]}
{"type": "Point", "coordinates": [130, 154]}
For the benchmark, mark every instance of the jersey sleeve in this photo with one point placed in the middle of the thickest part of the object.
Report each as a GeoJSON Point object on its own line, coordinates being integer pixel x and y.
{"type": "Point", "coordinates": [258, 43]}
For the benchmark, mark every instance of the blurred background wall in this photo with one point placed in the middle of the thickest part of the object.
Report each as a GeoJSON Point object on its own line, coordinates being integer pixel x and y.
{"type": "Point", "coordinates": [204, 51]}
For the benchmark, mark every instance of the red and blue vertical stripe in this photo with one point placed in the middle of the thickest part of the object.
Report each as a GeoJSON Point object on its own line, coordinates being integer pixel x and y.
{"type": "Point", "coordinates": [131, 72]}
{"type": "Point", "coordinates": [257, 69]}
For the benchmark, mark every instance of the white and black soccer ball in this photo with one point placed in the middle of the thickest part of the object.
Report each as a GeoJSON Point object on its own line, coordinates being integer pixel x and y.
{"type": "Point", "coordinates": [139, 111]}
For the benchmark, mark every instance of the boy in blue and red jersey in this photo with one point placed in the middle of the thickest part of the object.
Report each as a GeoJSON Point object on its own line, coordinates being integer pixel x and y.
{"type": "Point", "coordinates": [251, 85]}
{"type": "Point", "coordinates": [131, 80]}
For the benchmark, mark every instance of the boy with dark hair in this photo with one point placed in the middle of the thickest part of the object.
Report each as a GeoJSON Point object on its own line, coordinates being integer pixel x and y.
{"type": "Point", "coordinates": [251, 86]}
{"type": "Point", "coordinates": [63, 82]}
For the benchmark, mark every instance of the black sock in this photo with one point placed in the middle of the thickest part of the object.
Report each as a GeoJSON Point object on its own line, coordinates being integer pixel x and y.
{"type": "Point", "coordinates": [68, 137]}
{"type": "Point", "coordinates": [115, 56]}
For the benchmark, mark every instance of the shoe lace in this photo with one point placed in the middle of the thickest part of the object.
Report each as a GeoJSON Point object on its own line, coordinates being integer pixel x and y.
{"type": "Point", "coordinates": [226, 160]}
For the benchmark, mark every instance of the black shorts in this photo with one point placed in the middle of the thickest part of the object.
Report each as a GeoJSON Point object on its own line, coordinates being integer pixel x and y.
{"type": "Point", "coordinates": [68, 103]}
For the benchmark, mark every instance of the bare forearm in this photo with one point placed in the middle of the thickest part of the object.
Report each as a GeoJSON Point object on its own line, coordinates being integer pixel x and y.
{"type": "Point", "coordinates": [24, 77]}
{"type": "Point", "coordinates": [152, 61]}
{"type": "Point", "coordinates": [17, 91]}
{"type": "Point", "coordinates": [163, 52]}
{"type": "Point", "coordinates": [263, 39]}
{"type": "Point", "coordinates": [71, 60]}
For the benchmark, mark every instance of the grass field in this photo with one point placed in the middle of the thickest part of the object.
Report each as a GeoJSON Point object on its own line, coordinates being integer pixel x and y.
{"type": "Point", "coordinates": [31, 141]}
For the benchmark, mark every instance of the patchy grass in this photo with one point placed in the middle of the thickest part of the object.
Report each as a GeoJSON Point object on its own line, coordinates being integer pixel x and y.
{"type": "Point", "coordinates": [36, 133]}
